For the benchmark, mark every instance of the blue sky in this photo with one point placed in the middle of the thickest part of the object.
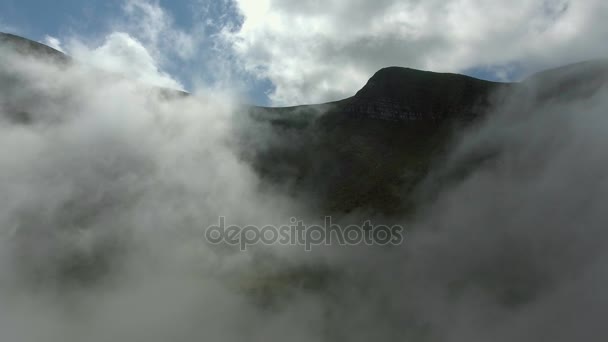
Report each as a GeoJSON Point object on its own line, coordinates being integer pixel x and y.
{"type": "Point", "coordinates": [288, 52]}
{"type": "Point", "coordinates": [39, 18]}
{"type": "Point", "coordinates": [92, 19]}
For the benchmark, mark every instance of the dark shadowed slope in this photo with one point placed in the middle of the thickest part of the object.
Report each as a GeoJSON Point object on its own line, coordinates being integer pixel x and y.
{"type": "Point", "coordinates": [369, 151]}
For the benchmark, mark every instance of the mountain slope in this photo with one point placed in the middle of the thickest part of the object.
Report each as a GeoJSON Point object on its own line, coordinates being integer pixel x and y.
{"type": "Point", "coordinates": [32, 48]}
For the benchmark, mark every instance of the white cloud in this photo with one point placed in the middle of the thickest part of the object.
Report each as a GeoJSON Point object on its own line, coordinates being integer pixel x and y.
{"type": "Point", "coordinates": [142, 44]}
{"type": "Point", "coordinates": [123, 54]}
{"type": "Point", "coordinates": [323, 50]}
{"type": "Point", "coordinates": [53, 42]}
{"type": "Point", "coordinates": [152, 25]}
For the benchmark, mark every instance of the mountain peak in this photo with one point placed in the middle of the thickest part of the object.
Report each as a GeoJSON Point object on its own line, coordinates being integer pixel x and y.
{"type": "Point", "coordinates": [397, 93]}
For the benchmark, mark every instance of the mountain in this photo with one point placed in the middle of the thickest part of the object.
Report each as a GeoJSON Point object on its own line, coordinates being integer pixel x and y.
{"type": "Point", "coordinates": [367, 150]}
{"type": "Point", "coordinates": [403, 94]}
{"type": "Point", "coordinates": [371, 151]}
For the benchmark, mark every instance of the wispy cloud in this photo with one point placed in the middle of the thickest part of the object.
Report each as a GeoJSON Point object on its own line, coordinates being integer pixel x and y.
{"type": "Point", "coordinates": [156, 28]}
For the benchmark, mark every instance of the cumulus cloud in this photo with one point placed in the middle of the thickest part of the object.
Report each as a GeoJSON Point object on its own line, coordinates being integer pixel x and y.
{"type": "Point", "coordinates": [321, 51]}
{"type": "Point", "coordinates": [143, 42]}
{"type": "Point", "coordinates": [120, 53]}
